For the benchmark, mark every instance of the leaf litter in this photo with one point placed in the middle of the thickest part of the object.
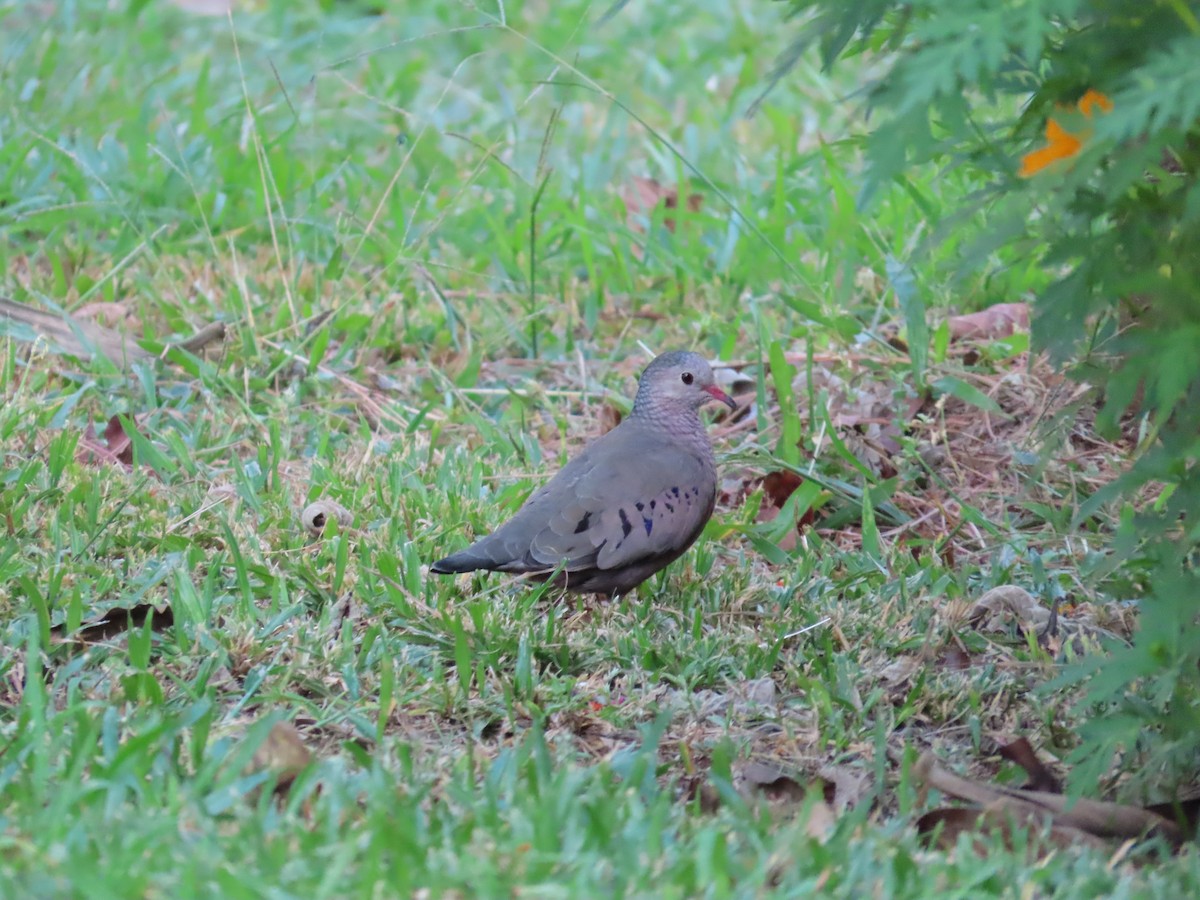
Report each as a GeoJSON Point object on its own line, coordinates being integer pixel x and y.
{"type": "Point", "coordinates": [1070, 820]}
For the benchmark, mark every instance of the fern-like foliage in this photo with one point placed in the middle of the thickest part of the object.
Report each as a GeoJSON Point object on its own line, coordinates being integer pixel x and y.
{"type": "Point", "coordinates": [1096, 175]}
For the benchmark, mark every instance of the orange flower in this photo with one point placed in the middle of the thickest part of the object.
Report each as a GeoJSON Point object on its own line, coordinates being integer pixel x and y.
{"type": "Point", "coordinates": [1062, 145]}
{"type": "Point", "coordinates": [1091, 99]}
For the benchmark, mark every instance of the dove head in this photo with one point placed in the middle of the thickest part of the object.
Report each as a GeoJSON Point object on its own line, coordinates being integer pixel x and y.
{"type": "Point", "coordinates": [677, 382]}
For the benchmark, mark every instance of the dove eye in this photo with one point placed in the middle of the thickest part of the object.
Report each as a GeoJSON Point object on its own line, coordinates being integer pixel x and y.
{"type": "Point", "coordinates": [687, 377]}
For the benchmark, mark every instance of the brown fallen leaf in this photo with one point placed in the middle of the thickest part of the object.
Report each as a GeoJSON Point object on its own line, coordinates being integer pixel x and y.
{"type": "Point", "coordinates": [608, 418]}
{"type": "Point", "coordinates": [789, 541]}
{"type": "Point", "coordinates": [70, 335]}
{"type": "Point", "coordinates": [284, 754]}
{"type": "Point", "coordinates": [867, 413]}
{"type": "Point", "coordinates": [1183, 810]}
{"type": "Point", "coordinates": [318, 514]}
{"type": "Point", "coordinates": [1002, 607]}
{"type": "Point", "coordinates": [840, 788]}
{"type": "Point", "coordinates": [707, 796]}
{"type": "Point", "coordinates": [778, 486]}
{"type": "Point", "coordinates": [944, 826]}
{"type": "Point", "coordinates": [1011, 610]}
{"type": "Point", "coordinates": [116, 447]}
{"type": "Point", "coordinates": [760, 692]}
{"type": "Point", "coordinates": [767, 780]}
{"type": "Point", "coordinates": [74, 335]}
{"type": "Point", "coordinates": [116, 622]}
{"type": "Point", "coordinates": [110, 315]}
{"type": "Point", "coordinates": [1041, 778]}
{"type": "Point", "coordinates": [845, 787]}
{"type": "Point", "coordinates": [821, 820]}
{"type": "Point", "coordinates": [1099, 818]}
{"type": "Point", "coordinates": [643, 195]}
{"type": "Point", "coordinates": [996, 321]}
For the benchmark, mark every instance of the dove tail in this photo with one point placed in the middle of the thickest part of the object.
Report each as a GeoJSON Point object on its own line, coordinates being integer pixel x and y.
{"type": "Point", "coordinates": [468, 559]}
{"type": "Point", "coordinates": [452, 565]}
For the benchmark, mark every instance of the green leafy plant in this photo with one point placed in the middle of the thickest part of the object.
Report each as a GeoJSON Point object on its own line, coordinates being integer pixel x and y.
{"type": "Point", "coordinates": [1079, 120]}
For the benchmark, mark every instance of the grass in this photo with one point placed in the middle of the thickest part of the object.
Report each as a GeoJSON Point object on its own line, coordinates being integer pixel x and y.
{"type": "Point", "coordinates": [413, 226]}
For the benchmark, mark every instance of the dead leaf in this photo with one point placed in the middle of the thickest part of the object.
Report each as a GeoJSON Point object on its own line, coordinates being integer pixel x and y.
{"type": "Point", "coordinates": [955, 658]}
{"type": "Point", "coordinates": [708, 796]}
{"type": "Point", "coordinates": [788, 542]}
{"type": "Point", "coordinates": [284, 754]}
{"type": "Point", "coordinates": [1183, 810]}
{"type": "Point", "coordinates": [116, 622]}
{"type": "Point", "coordinates": [318, 514]}
{"type": "Point", "coordinates": [1002, 607]}
{"type": "Point", "coordinates": [943, 826]}
{"type": "Point", "coordinates": [70, 335]}
{"type": "Point", "coordinates": [1099, 818]}
{"type": "Point", "coordinates": [110, 315]}
{"type": "Point", "coordinates": [1041, 778]}
{"type": "Point", "coordinates": [609, 418]}
{"type": "Point", "coordinates": [845, 787]}
{"type": "Point", "coordinates": [778, 486]}
{"type": "Point", "coordinates": [760, 691]}
{"type": "Point", "coordinates": [348, 610]}
{"type": "Point", "coordinates": [899, 672]}
{"type": "Point", "coordinates": [947, 824]}
{"type": "Point", "coordinates": [840, 789]}
{"type": "Point", "coordinates": [733, 381]}
{"type": "Point", "coordinates": [116, 447]}
{"type": "Point", "coordinates": [642, 196]}
{"type": "Point", "coordinates": [821, 820]}
{"type": "Point", "coordinates": [996, 321]}
{"type": "Point", "coordinates": [74, 335]}
{"type": "Point", "coordinates": [864, 409]}
{"type": "Point", "coordinates": [768, 780]}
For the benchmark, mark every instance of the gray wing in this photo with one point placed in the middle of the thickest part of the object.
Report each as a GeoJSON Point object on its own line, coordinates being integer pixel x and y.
{"type": "Point", "coordinates": [606, 510]}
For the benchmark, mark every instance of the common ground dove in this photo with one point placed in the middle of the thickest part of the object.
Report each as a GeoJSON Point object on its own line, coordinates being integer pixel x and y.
{"type": "Point", "coordinates": [629, 504]}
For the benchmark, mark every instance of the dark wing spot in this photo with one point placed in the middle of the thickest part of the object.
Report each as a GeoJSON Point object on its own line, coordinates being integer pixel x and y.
{"type": "Point", "coordinates": [652, 504]}
{"type": "Point", "coordinates": [583, 523]}
{"type": "Point", "coordinates": [626, 525]}
{"type": "Point", "coordinates": [675, 491]}
{"type": "Point", "coordinates": [649, 523]}
{"type": "Point", "coordinates": [669, 507]}
{"type": "Point", "coordinates": [640, 505]}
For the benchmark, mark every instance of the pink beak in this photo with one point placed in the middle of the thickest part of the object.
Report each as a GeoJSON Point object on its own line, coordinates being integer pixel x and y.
{"type": "Point", "coordinates": [719, 394]}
